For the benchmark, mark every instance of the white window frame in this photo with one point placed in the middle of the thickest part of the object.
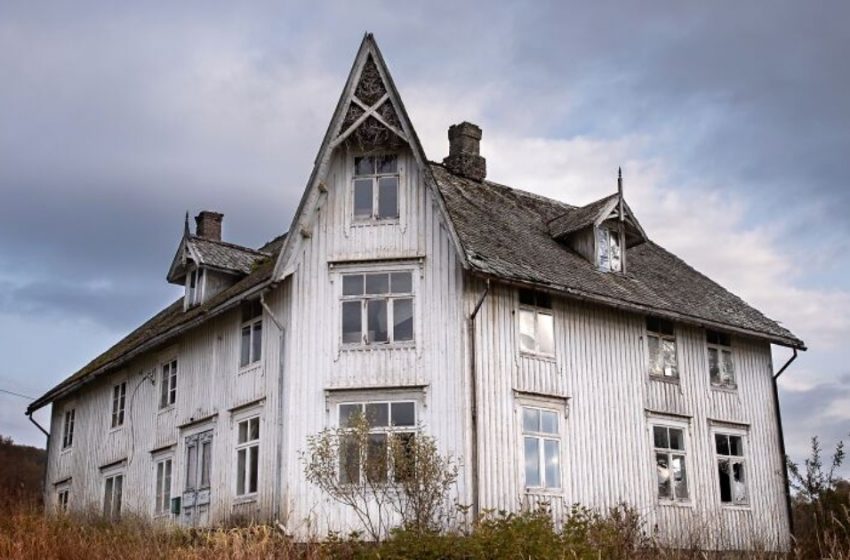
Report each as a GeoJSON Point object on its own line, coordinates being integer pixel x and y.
{"type": "Point", "coordinates": [245, 448]}
{"type": "Point", "coordinates": [662, 337]}
{"type": "Point", "coordinates": [116, 505]}
{"type": "Point", "coordinates": [373, 219]}
{"type": "Point", "coordinates": [69, 416]}
{"type": "Point", "coordinates": [604, 235]}
{"type": "Point", "coordinates": [255, 352]}
{"type": "Point", "coordinates": [163, 473]}
{"type": "Point", "coordinates": [389, 298]}
{"type": "Point", "coordinates": [195, 294]}
{"type": "Point", "coordinates": [721, 349]}
{"type": "Point", "coordinates": [168, 383]}
{"type": "Point", "coordinates": [743, 460]}
{"type": "Point", "coordinates": [541, 407]}
{"type": "Point", "coordinates": [119, 402]}
{"type": "Point", "coordinates": [537, 311]}
{"type": "Point", "coordinates": [684, 427]}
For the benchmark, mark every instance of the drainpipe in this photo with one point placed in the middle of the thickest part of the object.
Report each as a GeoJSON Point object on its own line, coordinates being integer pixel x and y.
{"type": "Point", "coordinates": [46, 450]}
{"type": "Point", "coordinates": [788, 508]}
{"type": "Point", "coordinates": [276, 500]}
{"type": "Point", "coordinates": [473, 390]}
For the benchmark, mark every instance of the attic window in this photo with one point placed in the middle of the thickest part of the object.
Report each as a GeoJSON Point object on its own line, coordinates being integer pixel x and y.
{"type": "Point", "coordinates": [720, 365]}
{"type": "Point", "coordinates": [609, 254]}
{"type": "Point", "coordinates": [194, 283]}
{"type": "Point", "coordinates": [661, 341]}
{"type": "Point", "coordinates": [375, 188]}
{"type": "Point", "coordinates": [536, 323]}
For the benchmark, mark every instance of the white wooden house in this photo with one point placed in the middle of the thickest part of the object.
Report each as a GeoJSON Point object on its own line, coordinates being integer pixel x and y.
{"type": "Point", "coordinates": [556, 350]}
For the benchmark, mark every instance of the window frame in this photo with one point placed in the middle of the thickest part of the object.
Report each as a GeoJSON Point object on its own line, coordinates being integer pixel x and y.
{"type": "Point", "coordinates": [609, 233]}
{"type": "Point", "coordinates": [251, 323]}
{"type": "Point", "coordinates": [114, 513]}
{"type": "Point", "coordinates": [245, 447]}
{"type": "Point", "coordinates": [63, 497]}
{"type": "Point", "coordinates": [375, 177]}
{"type": "Point", "coordinates": [684, 427]}
{"type": "Point", "coordinates": [195, 294]}
{"type": "Point", "coordinates": [662, 337]}
{"type": "Point", "coordinates": [537, 310]}
{"type": "Point", "coordinates": [389, 297]}
{"type": "Point", "coordinates": [720, 348]}
{"type": "Point", "coordinates": [164, 488]}
{"type": "Point", "coordinates": [743, 459]}
{"type": "Point", "coordinates": [69, 416]}
{"type": "Point", "coordinates": [542, 437]}
{"type": "Point", "coordinates": [168, 384]}
{"type": "Point", "coordinates": [119, 402]}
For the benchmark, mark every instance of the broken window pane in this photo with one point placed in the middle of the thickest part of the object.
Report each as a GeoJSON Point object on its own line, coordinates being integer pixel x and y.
{"type": "Point", "coordinates": [388, 198]}
{"type": "Point", "coordinates": [377, 320]}
{"type": "Point", "coordinates": [352, 285]}
{"type": "Point", "coordinates": [602, 244]}
{"type": "Point", "coordinates": [386, 164]}
{"type": "Point", "coordinates": [532, 461]}
{"type": "Point", "coordinates": [377, 283]}
{"type": "Point", "coordinates": [670, 367]}
{"type": "Point", "coordinates": [739, 486]}
{"type": "Point", "coordinates": [364, 165]}
{"type": "Point", "coordinates": [548, 422]}
{"type": "Point", "coordinates": [728, 372]}
{"type": "Point", "coordinates": [377, 415]}
{"type": "Point", "coordinates": [736, 446]}
{"type": "Point", "coordinates": [404, 414]}
{"type": "Point", "coordinates": [402, 319]}
{"type": "Point", "coordinates": [713, 365]}
{"type": "Point", "coordinates": [363, 198]}
{"type": "Point", "coordinates": [401, 283]}
{"type": "Point", "coordinates": [721, 444]}
{"type": "Point", "coordinates": [526, 330]}
{"type": "Point", "coordinates": [680, 478]}
{"type": "Point", "coordinates": [677, 441]}
{"type": "Point", "coordinates": [526, 297]}
{"type": "Point", "coordinates": [351, 322]}
{"type": "Point", "coordinates": [660, 438]}
{"type": "Point", "coordinates": [552, 457]}
{"type": "Point", "coordinates": [614, 252]}
{"type": "Point", "coordinates": [662, 469]}
{"type": "Point", "coordinates": [530, 420]}
{"type": "Point", "coordinates": [654, 345]}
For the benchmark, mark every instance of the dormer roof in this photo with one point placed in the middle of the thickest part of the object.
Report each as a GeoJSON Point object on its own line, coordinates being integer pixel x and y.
{"type": "Point", "coordinates": [594, 214]}
{"type": "Point", "coordinates": [198, 251]}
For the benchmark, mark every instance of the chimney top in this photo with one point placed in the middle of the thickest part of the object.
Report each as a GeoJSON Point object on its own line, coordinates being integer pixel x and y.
{"type": "Point", "coordinates": [208, 225]}
{"type": "Point", "coordinates": [464, 157]}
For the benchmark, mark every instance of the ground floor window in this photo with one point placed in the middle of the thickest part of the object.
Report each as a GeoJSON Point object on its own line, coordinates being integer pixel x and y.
{"type": "Point", "coordinates": [113, 489]}
{"type": "Point", "coordinates": [247, 456]}
{"type": "Point", "coordinates": [62, 497]}
{"type": "Point", "coordinates": [670, 462]}
{"type": "Point", "coordinates": [372, 461]}
{"type": "Point", "coordinates": [163, 487]}
{"type": "Point", "coordinates": [731, 468]}
{"type": "Point", "coordinates": [541, 447]}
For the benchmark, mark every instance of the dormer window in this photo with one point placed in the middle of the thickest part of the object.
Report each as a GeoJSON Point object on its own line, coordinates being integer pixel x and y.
{"type": "Point", "coordinates": [376, 188]}
{"type": "Point", "coordinates": [609, 253]}
{"type": "Point", "coordinates": [194, 287]}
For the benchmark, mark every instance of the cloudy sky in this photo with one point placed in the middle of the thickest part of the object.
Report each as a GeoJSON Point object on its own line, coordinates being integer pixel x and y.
{"type": "Point", "coordinates": [731, 121]}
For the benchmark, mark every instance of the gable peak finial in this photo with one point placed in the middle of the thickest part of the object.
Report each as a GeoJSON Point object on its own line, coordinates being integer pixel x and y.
{"type": "Point", "coordinates": [186, 225]}
{"type": "Point", "coordinates": [620, 181]}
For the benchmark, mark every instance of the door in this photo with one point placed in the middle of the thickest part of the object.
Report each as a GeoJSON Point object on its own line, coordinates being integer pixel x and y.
{"type": "Point", "coordinates": [196, 495]}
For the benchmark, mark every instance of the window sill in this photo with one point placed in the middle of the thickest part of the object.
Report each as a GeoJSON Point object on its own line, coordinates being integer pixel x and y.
{"type": "Point", "coordinates": [724, 388]}
{"type": "Point", "coordinates": [547, 492]}
{"type": "Point", "coordinates": [169, 408]}
{"type": "Point", "coordinates": [687, 504]}
{"type": "Point", "coordinates": [668, 380]}
{"type": "Point", "coordinates": [375, 222]}
{"type": "Point", "coordinates": [66, 450]}
{"type": "Point", "coordinates": [736, 507]}
{"type": "Point", "coordinates": [246, 499]}
{"type": "Point", "coordinates": [380, 346]}
{"type": "Point", "coordinates": [535, 356]}
{"type": "Point", "coordinates": [250, 367]}
{"type": "Point", "coordinates": [116, 429]}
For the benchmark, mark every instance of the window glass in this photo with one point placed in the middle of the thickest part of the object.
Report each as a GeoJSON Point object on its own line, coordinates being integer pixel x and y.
{"type": "Point", "coordinates": [351, 322]}
{"type": "Point", "coordinates": [347, 414]}
{"type": "Point", "coordinates": [352, 285]}
{"type": "Point", "coordinates": [545, 333]}
{"type": "Point", "coordinates": [377, 283]}
{"type": "Point", "coordinates": [403, 319]}
{"type": "Point", "coordinates": [191, 467]}
{"type": "Point", "coordinates": [530, 420]}
{"type": "Point", "coordinates": [241, 469]}
{"type": "Point", "coordinates": [403, 414]}
{"type": "Point", "coordinates": [377, 320]}
{"type": "Point", "coordinates": [257, 343]}
{"type": "Point", "coordinates": [377, 414]}
{"type": "Point", "coordinates": [532, 461]}
{"type": "Point", "coordinates": [364, 165]}
{"type": "Point", "coordinates": [386, 164]}
{"type": "Point", "coordinates": [363, 198]}
{"type": "Point", "coordinates": [552, 459]}
{"type": "Point", "coordinates": [387, 198]}
{"type": "Point", "coordinates": [676, 439]}
{"type": "Point", "coordinates": [254, 456]}
{"type": "Point", "coordinates": [376, 458]}
{"type": "Point", "coordinates": [349, 461]}
{"type": "Point", "coordinates": [670, 462]}
{"type": "Point", "coordinates": [206, 457]}
{"type": "Point", "coordinates": [526, 330]}
{"type": "Point", "coordinates": [245, 346]}
{"type": "Point", "coordinates": [370, 302]}
{"type": "Point", "coordinates": [548, 422]}
{"type": "Point", "coordinates": [401, 283]}
{"type": "Point", "coordinates": [731, 468]}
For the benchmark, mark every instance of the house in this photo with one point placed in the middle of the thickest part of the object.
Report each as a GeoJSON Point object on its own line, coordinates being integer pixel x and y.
{"type": "Point", "coordinates": [557, 351]}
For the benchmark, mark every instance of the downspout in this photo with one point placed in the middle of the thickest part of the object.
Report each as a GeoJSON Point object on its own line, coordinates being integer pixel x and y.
{"type": "Point", "coordinates": [46, 449]}
{"type": "Point", "coordinates": [276, 499]}
{"type": "Point", "coordinates": [473, 390]}
{"type": "Point", "coordinates": [790, 511]}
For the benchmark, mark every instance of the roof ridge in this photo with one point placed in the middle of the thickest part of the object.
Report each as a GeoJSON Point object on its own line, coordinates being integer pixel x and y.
{"type": "Point", "coordinates": [229, 245]}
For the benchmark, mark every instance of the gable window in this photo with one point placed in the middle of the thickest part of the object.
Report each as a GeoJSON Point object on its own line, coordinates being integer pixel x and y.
{"type": "Point", "coordinates": [375, 188]}
{"type": "Point", "coordinates": [68, 429]}
{"type": "Point", "coordinates": [247, 456]}
{"type": "Point", "coordinates": [536, 323]}
{"type": "Point", "coordinates": [194, 290]}
{"type": "Point", "coordinates": [62, 497]}
{"type": "Point", "coordinates": [168, 384]}
{"type": "Point", "coordinates": [162, 503]}
{"type": "Point", "coordinates": [385, 419]}
{"type": "Point", "coordinates": [729, 449]}
{"type": "Point", "coordinates": [377, 308]}
{"type": "Point", "coordinates": [112, 490]}
{"type": "Point", "coordinates": [119, 394]}
{"type": "Point", "coordinates": [610, 257]}
{"type": "Point", "coordinates": [670, 469]}
{"type": "Point", "coordinates": [251, 341]}
{"type": "Point", "coordinates": [720, 366]}
{"type": "Point", "coordinates": [661, 340]}
{"type": "Point", "coordinates": [542, 448]}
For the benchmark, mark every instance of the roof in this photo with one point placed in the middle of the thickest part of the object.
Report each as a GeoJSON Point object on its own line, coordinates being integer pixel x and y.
{"type": "Point", "coordinates": [225, 256]}
{"type": "Point", "coordinates": [575, 219]}
{"type": "Point", "coordinates": [163, 327]}
{"type": "Point", "coordinates": [504, 233]}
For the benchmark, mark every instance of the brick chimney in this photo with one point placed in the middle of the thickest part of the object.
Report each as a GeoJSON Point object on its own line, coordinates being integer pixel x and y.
{"type": "Point", "coordinates": [464, 158]}
{"type": "Point", "coordinates": [208, 225]}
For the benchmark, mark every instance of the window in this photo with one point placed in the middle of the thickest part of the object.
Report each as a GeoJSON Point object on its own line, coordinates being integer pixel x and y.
{"type": "Point", "coordinates": [119, 394]}
{"type": "Point", "coordinates": [68, 429]}
{"type": "Point", "coordinates": [730, 468]}
{"type": "Point", "coordinates": [377, 308]}
{"type": "Point", "coordinates": [385, 419]}
{"type": "Point", "coordinates": [194, 285]}
{"type": "Point", "coordinates": [720, 366]}
{"type": "Point", "coordinates": [113, 488]}
{"type": "Point", "coordinates": [376, 188]}
{"type": "Point", "coordinates": [542, 448]}
{"type": "Point", "coordinates": [247, 456]}
{"type": "Point", "coordinates": [669, 444]}
{"type": "Point", "coordinates": [536, 323]}
{"type": "Point", "coordinates": [609, 252]}
{"type": "Point", "coordinates": [168, 384]}
{"type": "Point", "coordinates": [62, 496]}
{"type": "Point", "coordinates": [162, 505]}
{"type": "Point", "coordinates": [661, 339]}
{"type": "Point", "coordinates": [252, 334]}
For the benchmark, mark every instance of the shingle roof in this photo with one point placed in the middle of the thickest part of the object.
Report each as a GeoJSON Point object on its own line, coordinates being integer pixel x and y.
{"type": "Point", "coordinates": [226, 256]}
{"type": "Point", "coordinates": [505, 234]}
{"type": "Point", "coordinates": [168, 323]}
{"type": "Point", "coordinates": [575, 219]}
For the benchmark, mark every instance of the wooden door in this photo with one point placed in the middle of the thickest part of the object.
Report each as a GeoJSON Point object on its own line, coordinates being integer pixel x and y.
{"type": "Point", "coordinates": [196, 495]}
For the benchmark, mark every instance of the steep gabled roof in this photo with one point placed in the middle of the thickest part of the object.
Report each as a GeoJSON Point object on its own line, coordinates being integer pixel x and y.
{"type": "Point", "coordinates": [220, 255]}
{"type": "Point", "coordinates": [505, 234]}
{"type": "Point", "coordinates": [574, 219]}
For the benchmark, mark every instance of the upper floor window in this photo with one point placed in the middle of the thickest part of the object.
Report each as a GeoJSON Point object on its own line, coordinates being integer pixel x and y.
{"type": "Point", "coordinates": [377, 308]}
{"type": "Point", "coordinates": [730, 466]}
{"type": "Point", "coordinates": [194, 288]}
{"type": "Point", "coordinates": [395, 419]}
{"type": "Point", "coordinates": [376, 188]}
{"type": "Point", "coordinates": [162, 503]}
{"type": "Point", "coordinates": [68, 429]}
{"type": "Point", "coordinates": [609, 252]}
{"type": "Point", "coordinates": [670, 469]}
{"type": "Point", "coordinates": [536, 323]}
{"type": "Point", "coordinates": [119, 395]}
{"type": "Point", "coordinates": [542, 448]}
{"type": "Point", "coordinates": [661, 340]}
{"type": "Point", "coordinates": [720, 366]}
{"type": "Point", "coordinates": [168, 384]}
{"type": "Point", "coordinates": [112, 494]}
{"type": "Point", "coordinates": [251, 345]}
{"type": "Point", "coordinates": [247, 456]}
